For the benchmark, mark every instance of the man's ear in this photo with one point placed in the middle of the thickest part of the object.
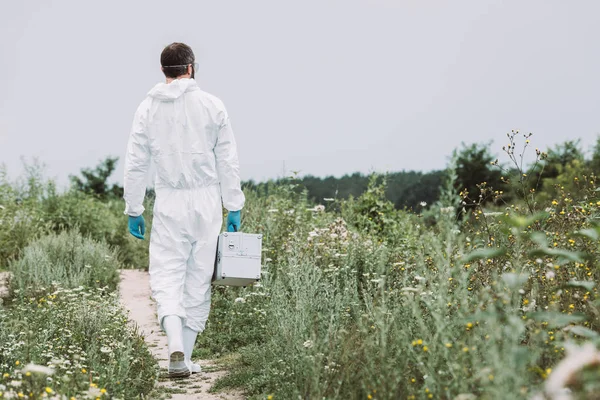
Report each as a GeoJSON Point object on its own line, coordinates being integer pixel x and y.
{"type": "Point", "coordinates": [190, 70]}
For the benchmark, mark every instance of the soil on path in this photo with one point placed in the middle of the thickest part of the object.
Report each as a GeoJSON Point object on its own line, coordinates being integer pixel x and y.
{"type": "Point", "coordinates": [3, 284]}
{"type": "Point", "coordinates": [134, 291]}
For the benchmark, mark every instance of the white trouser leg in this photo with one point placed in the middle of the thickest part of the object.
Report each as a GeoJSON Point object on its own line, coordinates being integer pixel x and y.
{"type": "Point", "coordinates": [201, 263]}
{"type": "Point", "coordinates": [170, 249]}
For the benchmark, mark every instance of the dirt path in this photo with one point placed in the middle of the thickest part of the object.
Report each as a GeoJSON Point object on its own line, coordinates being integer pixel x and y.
{"type": "Point", "coordinates": [134, 292]}
{"type": "Point", "coordinates": [3, 284]}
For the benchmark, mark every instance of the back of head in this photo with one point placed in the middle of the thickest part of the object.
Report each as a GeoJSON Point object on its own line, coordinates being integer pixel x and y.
{"type": "Point", "coordinates": [175, 58]}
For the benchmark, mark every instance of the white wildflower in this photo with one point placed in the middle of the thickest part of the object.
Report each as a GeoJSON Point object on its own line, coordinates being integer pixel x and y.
{"type": "Point", "coordinates": [308, 344]}
{"type": "Point", "coordinates": [550, 274]}
{"type": "Point", "coordinates": [328, 199]}
{"type": "Point", "coordinates": [530, 306]}
{"type": "Point", "coordinates": [38, 369]}
{"type": "Point", "coordinates": [93, 393]}
{"type": "Point", "coordinates": [240, 300]}
{"type": "Point", "coordinates": [423, 204]}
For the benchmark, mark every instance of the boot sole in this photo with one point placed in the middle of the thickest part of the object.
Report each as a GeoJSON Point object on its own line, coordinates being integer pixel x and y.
{"type": "Point", "coordinates": [177, 367]}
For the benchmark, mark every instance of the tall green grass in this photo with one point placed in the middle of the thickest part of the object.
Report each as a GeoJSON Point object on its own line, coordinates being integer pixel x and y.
{"type": "Point", "coordinates": [361, 301]}
{"type": "Point", "coordinates": [66, 259]}
{"type": "Point", "coordinates": [63, 331]}
{"type": "Point", "coordinates": [32, 207]}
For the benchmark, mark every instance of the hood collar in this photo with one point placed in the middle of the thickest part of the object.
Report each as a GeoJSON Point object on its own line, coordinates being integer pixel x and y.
{"type": "Point", "coordinates": [173, 90]}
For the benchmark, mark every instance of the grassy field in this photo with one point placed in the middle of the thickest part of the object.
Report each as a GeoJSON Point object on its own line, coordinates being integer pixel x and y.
{"type": "Point", "coordinates": [362, 301]}
{"type": "Point", "coordinates": [358, 300]}
{"type": "Point", "coordinates": [62, 331]}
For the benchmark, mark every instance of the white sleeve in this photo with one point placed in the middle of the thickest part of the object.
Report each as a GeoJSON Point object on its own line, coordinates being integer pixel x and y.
{"type": "Point", "coordinates": [137, 162]}
{"type": "Point", "coordinates": [228, 167]}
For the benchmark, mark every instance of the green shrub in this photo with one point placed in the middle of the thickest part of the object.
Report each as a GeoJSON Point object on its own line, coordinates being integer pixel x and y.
{"type": "Point", "coordinates": [99, 219]}
{"type": "Point", "coordinates": [32, 207]}
{"type": "Point", "coordinates": [67, 259]}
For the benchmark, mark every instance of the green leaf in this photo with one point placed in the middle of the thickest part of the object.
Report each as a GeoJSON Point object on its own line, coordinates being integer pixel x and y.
{"type": "Point", "coordinates": [569, 255]}
{"type": "Point", "coordinates": [539, 238]}
{"type": "Point", "coordinates": [592, 234]}
{"type": "Point", "coordinates": [582, 331]}
{"type": "Point", "coordinates": [556, 319]}
{"type": "Point", "coordinates": [588, 285]}
{"type": "Point", "coordinates": [483, 253]}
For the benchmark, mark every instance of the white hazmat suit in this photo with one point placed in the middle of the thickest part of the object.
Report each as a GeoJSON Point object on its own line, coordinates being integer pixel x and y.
{"type": "Point", "coordinates": [186, 134]}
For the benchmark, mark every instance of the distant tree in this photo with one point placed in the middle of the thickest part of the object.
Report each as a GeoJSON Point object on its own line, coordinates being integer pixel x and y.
{"type": "Point", "coordinates": [559, 157]}
{"type": "Point", "coordinates": [332, 187]}
{"type": "Point", "coordinates": [566, 171]}
{"type": "Point", "coordinates": [95, 181]}
{"type": "Point", "coordinates": [409, 189]}
{"type": "Point", "coordinates": [403, 189]}
{"type": "Point", "coordinates": [475, 170]}
{"type": "Point", "coordinates": [595, 161]}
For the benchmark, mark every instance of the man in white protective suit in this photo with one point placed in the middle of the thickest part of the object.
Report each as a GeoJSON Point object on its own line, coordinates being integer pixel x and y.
{"type": "Point", "coordinates": [186, 134]}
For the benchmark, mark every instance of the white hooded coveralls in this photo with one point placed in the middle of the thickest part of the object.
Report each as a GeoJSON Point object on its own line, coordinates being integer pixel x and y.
{"type": "Point", "coordinates": [186, 134]}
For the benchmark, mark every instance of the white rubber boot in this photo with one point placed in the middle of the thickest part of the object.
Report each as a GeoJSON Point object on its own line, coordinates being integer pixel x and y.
{"type": "Point", "coordinates": [177, 365]}
{"type": "Point", "coordinates": [189, 339]}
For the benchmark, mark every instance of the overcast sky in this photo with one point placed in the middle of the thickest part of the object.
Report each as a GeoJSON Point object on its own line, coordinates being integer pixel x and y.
{"type": "Point", "coordinates": [328, 87]}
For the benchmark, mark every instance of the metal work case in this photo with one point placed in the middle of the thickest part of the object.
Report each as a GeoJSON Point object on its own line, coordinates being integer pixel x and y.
{"type": "Point", "coordinates": [238, 259]}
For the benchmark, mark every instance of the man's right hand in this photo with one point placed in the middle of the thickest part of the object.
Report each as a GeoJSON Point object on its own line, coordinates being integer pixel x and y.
{"type": "Point", "coordinates": [233, 221]}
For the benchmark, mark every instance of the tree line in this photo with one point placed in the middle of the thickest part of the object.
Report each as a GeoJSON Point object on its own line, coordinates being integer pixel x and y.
{"type": "Point", "coordinates": [565, 166]}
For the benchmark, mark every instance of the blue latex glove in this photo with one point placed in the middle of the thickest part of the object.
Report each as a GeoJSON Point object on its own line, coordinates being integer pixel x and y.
{"type": "Point", "coordinates": [233, 221]}
{"type": "Point", "coordinates": [137, 226]}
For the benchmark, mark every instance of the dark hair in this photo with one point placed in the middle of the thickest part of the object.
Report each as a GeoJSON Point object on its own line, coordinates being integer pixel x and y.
{"type": "Point", "coordinates": [176, 54]}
